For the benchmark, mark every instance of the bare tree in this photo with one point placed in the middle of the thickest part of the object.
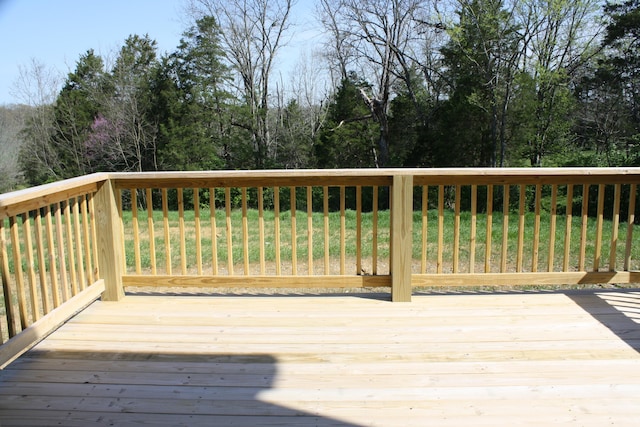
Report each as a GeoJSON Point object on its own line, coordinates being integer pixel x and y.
{"type": "Point", "coordinates": [560, 36]}
{"type": "Point", "coordinates": [299, 113]}
{"type": "Point", "coordinates": [379, 39]}
{"type": "Point", "coordinates": [252, 33]}
{"type": "Point", "coordinates": [11, 124]}
{"type": "Point", "coordinates": [36, 88]}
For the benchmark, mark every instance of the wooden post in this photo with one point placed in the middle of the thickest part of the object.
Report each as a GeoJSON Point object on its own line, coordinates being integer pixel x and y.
{"type": "Point", "coordinates": [109, 242]}
{"type": "Point", "coordinates": [401, 237]}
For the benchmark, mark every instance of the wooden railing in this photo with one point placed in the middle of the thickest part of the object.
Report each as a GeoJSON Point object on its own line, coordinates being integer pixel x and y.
{"type": "Point", "coordinates": [48, 259]}
{"type": "Point", "coordinates": [529, 227]}
{"type": "Point", "coordinates": [64, 244]}
{"type": "Point", "coordinates": [274, 229]}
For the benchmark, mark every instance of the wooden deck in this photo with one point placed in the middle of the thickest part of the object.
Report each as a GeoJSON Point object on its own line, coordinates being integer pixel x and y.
{"type": "Point", "coordinates": [348, 360]}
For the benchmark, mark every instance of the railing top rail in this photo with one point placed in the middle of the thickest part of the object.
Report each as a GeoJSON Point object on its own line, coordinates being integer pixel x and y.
{"type": "Point", "coordinates": [33, 198]}
{"type": "Point", "coordinates": [503, 176]}
{"type": "Point", "coordinates": [21, 201]}
{"type": "Point", "coordinates": [256, 178]}
{"type": "Point", "coordinates": [434, 176]}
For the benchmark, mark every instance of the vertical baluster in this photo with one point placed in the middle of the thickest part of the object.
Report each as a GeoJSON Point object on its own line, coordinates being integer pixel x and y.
{"type": "Point", "coordinates": [31, 272]}
{"type": "Point", "coordinates": [227, 202]}
{"type": "Point", "coordinates": [82, 280]}
{"type": "Point", "coordinates": [294, 233]}
{"type": "Point", "coordinates": [276, 227]}
{"type": "Point", "coordinates": [61, 253]}
{"type": "Point", "coordinates": [374, 240]}
{"type": "Point", "coordinates": [615, 223]}
{"type": "Point", "coordinates": [18, 274]}
{"type": "Point", "coordinates": [198, 231]}
{"type": "Point", "coordinates": [536, 229]}
{"type": "Point", "coordinates": [182, 232]}
{"type": "Point", "coordinates": [343, 233]}
{"type": "Point", "coordinates": [325, 210]}
{"type": "Point", "coordinates": [72, 262]}
{"type": "Point", "coordinates": [136, 229]}
{"type": "Point", "coordinates": [440, 227]}
{"type": "Point", "coordinates": [7, 288]}
{"type": "Point", "coordinates": [42, 266]}
{"type": "Point", "coordinates": [94, 237]}
{"type": "Point", "coordinates": [487, 248]}
{"type": "Point", "coordinates": [423, 234]}
{"type": "Point", "coordinates": [310, 231]}
{"type": "Point", "coordinates": [152, 233]}
{"type": "Point", "coordinates": [599, 223]}
{"type": "Point", "coordinates": [261, 229]}
{"type": "Point", "coordinates": [245, 232]}
{"type": "Point", "coordinates": [53, 268]}
{"type": "Point", "coordinates": [456, 229]}
{"type": "Point", "coordinates": [630, 221]}
{"type": "Point", "coordinates": [214, 231]}
{"type": "Point", "coordinates": [167, 232]}
{"type": "Point", "coordinates": [119, 207]}
{"type": "Point", "coordinates": [552, 227]}
{"type": "Point", "coordinates": [473, 228]}
{"type": "Point", "coordinates": [86, 238]}
{"type": "Point", "coordinates": [505, 229]}
{"type": "Point", "coordinates": [583, 227]}
{"type": "Point", "coordinates": [568, 227]}
{"type": "Point", "coordinates": [521, 214]}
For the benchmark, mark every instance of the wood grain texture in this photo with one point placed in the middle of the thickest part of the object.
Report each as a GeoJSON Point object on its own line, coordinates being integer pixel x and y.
{"type": "Point", "coordinates": [401, 238]}
{"type": "Point", "coordinates": [446, 360]}
{"type": "Point", "coordinates": [109, 242]}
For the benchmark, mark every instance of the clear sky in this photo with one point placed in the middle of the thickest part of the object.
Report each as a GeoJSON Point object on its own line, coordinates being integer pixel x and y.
{"type": "Point", "coordinates": [56, 32]}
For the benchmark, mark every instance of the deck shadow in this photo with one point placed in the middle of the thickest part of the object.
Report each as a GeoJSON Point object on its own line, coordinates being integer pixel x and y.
{"type": "Point", "coordinates": [618, 310]}
{"type": "Point", "coordinates": [374, 295]}
{"type": "Point", "coordinates": [119, 388]}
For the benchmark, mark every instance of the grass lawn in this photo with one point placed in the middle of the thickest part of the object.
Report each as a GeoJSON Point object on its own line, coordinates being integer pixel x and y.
{"type": "Point", "coordinates": [334, 219]}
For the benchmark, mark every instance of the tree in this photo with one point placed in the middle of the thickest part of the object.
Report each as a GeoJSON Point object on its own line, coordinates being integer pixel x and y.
{"type": "Point", "coordinates": [192, 104]}
{"type": "Point", "coordinates": [481, 59]}
{"type": "Point", "coordinates": [123, 135]}
{"type": "Point", "coordinates": [408, 129]}
{"type": "Point", "coordinates": [37, 88]}
{"type": "Point", "coordinates": [559, 39]}
{"type": "Point", "coordinates": [380, 35]}
{"type": "Point", "coordinates": [349, 137]}
{"type": "Point", "coordinates": [611, 94]}
{"type": "Point", "coordinates": [74, 112]}
{"type": "Point", "coordinates": [11, 124]}
{"type": "Point", "coordinates": [252, 33]}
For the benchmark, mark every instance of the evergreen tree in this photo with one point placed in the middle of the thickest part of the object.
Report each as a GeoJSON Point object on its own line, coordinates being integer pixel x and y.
{"type": "Point", "coordinates": [76, 107]}
{"type": "Point", "coordinates": [193, 107]}
{"type": "Point", "coordinates": [480, 60]}
{"type": "Point", "coordinates": [349, 138]}
{"type": "Point", "coordinates": [410, 113]}
{"type": "Point", "coordinates": [614, 89]}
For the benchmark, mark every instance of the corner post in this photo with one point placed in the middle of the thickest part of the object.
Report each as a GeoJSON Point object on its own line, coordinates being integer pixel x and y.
{"type": "Point", "coordinates": [401, 237]}
{"type": "Point", "coordinates": [109, 242]}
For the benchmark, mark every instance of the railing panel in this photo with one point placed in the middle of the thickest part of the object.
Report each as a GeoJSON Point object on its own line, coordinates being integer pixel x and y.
{"type": "Point", "coordinates": [294, 232]}
{"type": "Point", "coordinates": [47, 255]}
{"type": "Point", "coordinates": [546, 237]}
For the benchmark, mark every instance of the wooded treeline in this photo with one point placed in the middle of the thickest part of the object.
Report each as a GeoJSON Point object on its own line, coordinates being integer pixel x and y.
{"type": "Point", "coordinates": [394, 83]}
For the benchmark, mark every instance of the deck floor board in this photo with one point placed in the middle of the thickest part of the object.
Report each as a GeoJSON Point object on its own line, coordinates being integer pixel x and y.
{"type": "Point", "coordinates": [350, 360]}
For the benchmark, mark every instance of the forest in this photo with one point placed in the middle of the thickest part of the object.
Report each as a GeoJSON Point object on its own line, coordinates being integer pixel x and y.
{"type": "Point", "coordinates": [391, 83]}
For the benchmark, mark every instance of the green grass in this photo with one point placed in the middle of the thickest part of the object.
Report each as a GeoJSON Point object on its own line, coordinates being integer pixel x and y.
{"type": "Point", "coordinates": [302, 247]}
{"type": "Point", "coordinates": [382, 239]}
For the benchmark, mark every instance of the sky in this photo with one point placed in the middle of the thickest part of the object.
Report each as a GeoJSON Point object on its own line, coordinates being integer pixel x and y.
{"type": "Point", "coordinates": [56, 32]}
